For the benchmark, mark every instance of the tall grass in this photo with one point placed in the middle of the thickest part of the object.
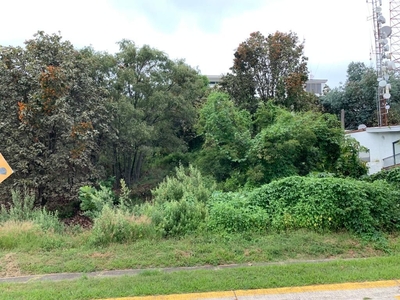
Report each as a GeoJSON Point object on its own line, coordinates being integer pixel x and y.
{"type": "Point", "coordinates": [22, 208]}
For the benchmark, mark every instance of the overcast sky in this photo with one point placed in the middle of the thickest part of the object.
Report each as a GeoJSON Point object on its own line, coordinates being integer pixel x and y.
{"type": "Point", "coordinates": [203, 32]}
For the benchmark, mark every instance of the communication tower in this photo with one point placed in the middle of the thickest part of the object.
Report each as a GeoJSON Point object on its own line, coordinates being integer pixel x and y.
{"type": "Point", "coordinates": [384, 63]}
{"type": "Point", "coordinates": [394, 8]}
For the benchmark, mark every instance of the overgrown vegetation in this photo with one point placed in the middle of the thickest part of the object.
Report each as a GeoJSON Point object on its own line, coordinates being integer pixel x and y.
{"type": "Point", "coordinates": [137, 145]}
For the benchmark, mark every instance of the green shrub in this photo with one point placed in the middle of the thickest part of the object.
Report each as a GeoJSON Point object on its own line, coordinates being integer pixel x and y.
{"type": "Point", "coordinates": [115, 225]}
{"type": "Point", "coordinates": [93, 200]}
{"type": "Point", "coordinates": [187, 183]}
{"type": "Point", "coordinates": [232, 212]}
{"type": "Point", "coordinates": [329, 204]}
{"type": "Point", "coordinates": [391, 176]}
{"type": "Point", "coordinates": [177, 218]}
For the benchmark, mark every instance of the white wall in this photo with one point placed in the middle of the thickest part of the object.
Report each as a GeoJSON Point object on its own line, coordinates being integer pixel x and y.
{"type": "Point", "coordinates": [380, 145]}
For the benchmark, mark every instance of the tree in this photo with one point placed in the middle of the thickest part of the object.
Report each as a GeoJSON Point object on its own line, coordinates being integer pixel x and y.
{"type": "Point", "coordinates": [357, 97]}
{"type": "Point", "coordinates": [293, 144]}
{"type": "Point", "coordinates": [52, 115]}
{"type": "Point", "coordinates": [268, 68]}
{"type": "Point", "coordinates": [240, 149]}
{"type": "Point", "coordinates": [154, 101]}
{"type": "Point", "coordinates": [226, 131]}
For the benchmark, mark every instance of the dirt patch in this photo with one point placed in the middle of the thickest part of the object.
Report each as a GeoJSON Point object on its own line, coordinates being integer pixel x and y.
{"type": "Point", "coordinates": [183, 254]}
{"type": "Point", "coordinates": [100, 255]}
{"type": "Point", "coordinates": [79, 219]}
{"type": "Point", "coordinates": [9, 266]}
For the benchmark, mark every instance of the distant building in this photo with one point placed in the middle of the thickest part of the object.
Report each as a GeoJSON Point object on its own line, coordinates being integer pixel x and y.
{"type": "Point", "coordinates": [315, 86]}
{"type": "Point", "coordinates": [214, 79]}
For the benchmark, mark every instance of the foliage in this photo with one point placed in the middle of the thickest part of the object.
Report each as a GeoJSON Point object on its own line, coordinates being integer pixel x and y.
{"type": "Point", "coordinates": [115, 225]}
{"type": "Point", "coordinates": [329, 204]}
{"type": "Point", "coordinates": [292, 144]}
{"type": "Point", "coordinates": [94, 200]}
{"type": "Point", "coordinates": [227, 136]}
{"type": "Point", "coordinates": [187, 183]}
{"type": "Point", "coordinates": [180, 201]}
{"type": "Point", "coordinates": [266, 68]}
{"type": "Point", "coordinates": [154, 104]}
{"type": "Point", "coordinates": [232, 212]}
{"type": "Point", "coordinates": [53, 115]}
{"type": "Point", "coordinates": [22, 209]}
{"type": "Point", "coordinates": [357, 97]}
{"type": "Point", "coordinates": [177, 218]}
{"type": "Point", "coordinates": [349, 163]}
{"type": "Point", "coordinates": [389, 175]}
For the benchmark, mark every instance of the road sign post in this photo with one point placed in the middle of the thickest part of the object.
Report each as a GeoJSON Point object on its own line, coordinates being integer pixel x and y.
{"type": "Point", "coordinates": [5, 169]}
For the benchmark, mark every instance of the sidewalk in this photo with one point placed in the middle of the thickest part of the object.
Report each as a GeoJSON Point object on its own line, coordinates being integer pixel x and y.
{"type": "Point", "coordinates": [378, 290]}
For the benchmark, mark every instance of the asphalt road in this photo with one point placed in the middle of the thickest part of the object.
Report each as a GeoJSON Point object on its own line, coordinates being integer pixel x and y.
{"type": "Point", "coordinates": [378, 290]}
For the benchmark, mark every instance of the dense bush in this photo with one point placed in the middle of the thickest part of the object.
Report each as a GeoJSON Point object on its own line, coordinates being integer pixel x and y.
{"type": "Point", "coordinates": [177, 218]}
{"type": "Point", "coordinates": [93, 200]}
{"type": "Point", "coordinates": [329, 204]}
{"type": "Point", "coordinates": [179, 202]}
{"type": "Point", "coordinates": [187, 182]}
{"type": "Point", "coordinates": [115, 225]}
{"type": "Point", "coordinates": [232, 212]}
{"type": "Point", "coordinates": [391, 176]}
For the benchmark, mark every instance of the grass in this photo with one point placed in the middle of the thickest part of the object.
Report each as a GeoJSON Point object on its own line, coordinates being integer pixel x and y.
{"type": "Point", "coordinates": [160, 283]}
{"type": "Point", "coordinates": [25, 250]}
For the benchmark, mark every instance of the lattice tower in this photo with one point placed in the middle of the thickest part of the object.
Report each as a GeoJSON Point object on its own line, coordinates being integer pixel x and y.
{"type": "Point", "coordinates": [394, 8]}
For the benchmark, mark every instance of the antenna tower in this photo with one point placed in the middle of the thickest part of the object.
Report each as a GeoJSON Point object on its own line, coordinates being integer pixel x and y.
{"type": "Point", "coordinates": [384, 64]}
{"type": "Point", "coordinates": [394, 7]}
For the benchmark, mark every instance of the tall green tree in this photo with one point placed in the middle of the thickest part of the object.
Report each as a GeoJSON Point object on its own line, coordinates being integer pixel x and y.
{"type": "Point", "coordinates": [226, 131]}
{"type": "Point", "coordinates": [52, 114]}
{"type": "Point", "coordinates": [268, 68]}
{"type": "Point", "coordinates": [154, 100]}
{"type": "Point", "coordinates": [358, 97]}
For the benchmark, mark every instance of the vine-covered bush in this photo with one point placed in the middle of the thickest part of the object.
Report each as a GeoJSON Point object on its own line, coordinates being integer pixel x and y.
{"type": "Point", "coordinates": [329, 204]}
{"type": "Point", "coordinates": [232, 212]}
{"type": "Point", "coordinates": [391, 176]}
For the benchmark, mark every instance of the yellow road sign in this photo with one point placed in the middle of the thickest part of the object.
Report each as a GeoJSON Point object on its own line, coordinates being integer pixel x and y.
{"type": "Point", "coordinates": [5, 169]}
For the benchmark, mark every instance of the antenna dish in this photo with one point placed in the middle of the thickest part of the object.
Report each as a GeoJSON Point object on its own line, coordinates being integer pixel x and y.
{"type": "Point", "coordinates": [386, 31]}
{"type": "Point", "coordinates": [386, 96]}
{"type": "Point", "coordinates": [391, 65]}
{"type": "Point", "coordinates": [382, 83]}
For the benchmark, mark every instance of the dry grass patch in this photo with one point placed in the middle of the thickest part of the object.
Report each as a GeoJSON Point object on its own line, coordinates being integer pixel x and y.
{"type": "Point", "coordinates": [9, 266]}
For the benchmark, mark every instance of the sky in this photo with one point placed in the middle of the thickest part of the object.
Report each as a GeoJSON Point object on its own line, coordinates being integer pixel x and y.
{"type": "Point", "coordinates": [203, 32]}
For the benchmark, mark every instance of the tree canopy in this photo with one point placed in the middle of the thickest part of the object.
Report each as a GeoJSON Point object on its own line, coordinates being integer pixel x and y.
{"type": "Point", "coordinates": [53, 115]}
{"type": "Point", "coordinates": [72, 118]}
{"type": "Point", "coordinates": [268, 68]}
{"type": "Point", "coordinates": [357, 97]}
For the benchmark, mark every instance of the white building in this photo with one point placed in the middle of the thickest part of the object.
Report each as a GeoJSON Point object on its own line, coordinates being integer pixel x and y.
{"type": "Point", "coordinates": [214, 79]}
{"type": "Point", "coordinates": [315, 86]}
{"type": "Point", "coordinates": [383, 145]}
